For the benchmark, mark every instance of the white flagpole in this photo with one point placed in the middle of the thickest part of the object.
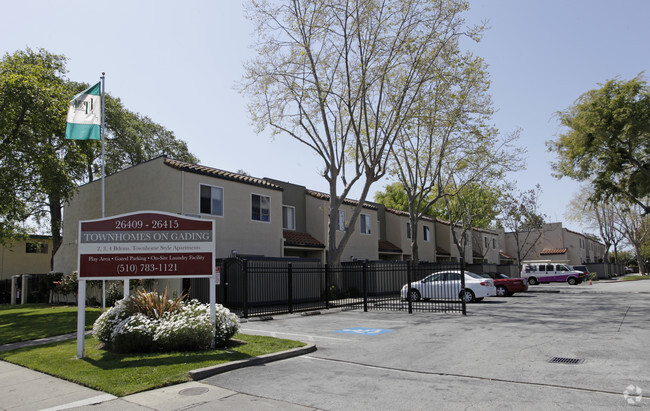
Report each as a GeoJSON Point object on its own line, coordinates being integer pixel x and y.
{"type": "Point", "coordinates": [103, 177]}
{"type": "Point", "coordinates": [102, 136]}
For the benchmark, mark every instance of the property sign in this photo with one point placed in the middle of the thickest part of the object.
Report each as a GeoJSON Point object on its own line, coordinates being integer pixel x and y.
{"type": "Point", "coordinates": [148, 244]}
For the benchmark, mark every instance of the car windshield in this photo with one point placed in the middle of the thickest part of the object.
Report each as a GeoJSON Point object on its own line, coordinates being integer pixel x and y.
{"type": "Point", "coordinates": [485, 275]}
{"type": "Point", "coordinates": [502, 276]}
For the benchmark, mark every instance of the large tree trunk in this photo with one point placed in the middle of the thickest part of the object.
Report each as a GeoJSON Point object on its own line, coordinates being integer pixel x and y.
{"type": "Point", "coordinates": [55, 223]}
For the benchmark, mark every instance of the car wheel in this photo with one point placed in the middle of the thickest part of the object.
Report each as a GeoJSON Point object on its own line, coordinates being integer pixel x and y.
{"type": "Point", "coordinates": [533, 281]}
{"type": "Point", "coordinates": [415, 295]}
{"type": "Point", "coordinates": [572, 281]}
{"type": "Point", "coordinates": [467, 296]}
{"type": "Point", "coordinates": [502, 291]}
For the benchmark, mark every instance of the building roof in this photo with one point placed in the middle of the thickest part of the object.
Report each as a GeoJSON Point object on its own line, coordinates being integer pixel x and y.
{"type": "Point", "coordinates": [388, 247]}
{"type": "Point", "coordinates": [326, 197]}
{"type": "Point", "coordinates": [442, 251]}
{"type": "Point", "coordinates": [298, 239]}
{"type": "Point", "coordinates": [553, 251]}
{"type": "Point", "coordinates": [406, 214]}
{"type": "Point", "coordinates": [215, 172]}
{"type": "Point", "coordinates": [506, 255]}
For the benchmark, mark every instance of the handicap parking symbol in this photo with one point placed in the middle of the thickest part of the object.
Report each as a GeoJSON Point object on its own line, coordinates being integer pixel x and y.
{"type": "Point", "coordinates": [363, 331]}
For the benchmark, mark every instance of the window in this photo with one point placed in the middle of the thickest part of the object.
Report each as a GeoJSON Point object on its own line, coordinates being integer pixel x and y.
{"type": "Point", "coordinates": [494, 243]}
{"type": "Point", "coordinates": [260, 208]}
{"type": "Point", "coordinates": [211, 200]}
{"type": "Point", "coordinates": [426, 233]}
{"type": "Point", "coordinates": [288, 218]}
{"type": "Point", "coordinates": [487, 242]}
{"type": "Point", "coordinates": [365, 224]}
{"type": "Point", "coordinates": [36, 248]}
{"type": "Point", "coordinates": [340, 222]}
{"type": "Point", "coordinates": [408, 230]}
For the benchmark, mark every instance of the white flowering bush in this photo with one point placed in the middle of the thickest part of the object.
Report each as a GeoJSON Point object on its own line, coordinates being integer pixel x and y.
{"type": "Point", "coordinates": [185, 327]}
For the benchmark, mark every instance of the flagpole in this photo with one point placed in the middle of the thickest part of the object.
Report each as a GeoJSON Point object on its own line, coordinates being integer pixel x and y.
{"type": "Point", "coordinates": [102, 136]}
{"type": "Point", "coordinates": [103, 178]}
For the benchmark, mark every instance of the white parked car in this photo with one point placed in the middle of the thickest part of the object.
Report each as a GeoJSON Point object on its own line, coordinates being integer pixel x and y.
{"type": "Point", "coordinates": [446, 285]}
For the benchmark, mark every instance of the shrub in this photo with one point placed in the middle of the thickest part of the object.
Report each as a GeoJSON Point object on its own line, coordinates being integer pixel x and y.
{"type": "Point", "coordinates": [108, 321]}
{"type": "Point", "coordinates": [134, 334]}
{"type": "Point", "coordinates": [114, 293]}
{"type": "Point", "coordinates": [186, 329]}
{"type": "Point", "coordinates": [152, 304]}
{"type": "Point", "coordinates": [181, 326]}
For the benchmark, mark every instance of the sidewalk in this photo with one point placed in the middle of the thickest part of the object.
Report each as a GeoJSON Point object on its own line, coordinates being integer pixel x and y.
{"type": "Point", "coordinates": [25, 389]}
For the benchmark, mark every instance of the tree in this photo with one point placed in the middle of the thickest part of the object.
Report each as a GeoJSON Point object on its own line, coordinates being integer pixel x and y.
{"type": "Point", "coordinates": [342, 77]}
{"type": "Point", "coordinates": [634, 225]}
{"type": "Point", "coordinates": [520, 216]}
{"type": "Point", "coordinates": [130, 139]}
{"type": "Point", "coordinates": [39, 167]}
{"type": "Point", "coordinates": [608, 141]}
{"type": "Point", "coordinates": [599, 216]}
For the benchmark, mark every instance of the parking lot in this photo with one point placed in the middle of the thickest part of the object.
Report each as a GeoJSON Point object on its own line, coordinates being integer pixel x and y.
{"type": "Point", "coordinates": [496, 357]}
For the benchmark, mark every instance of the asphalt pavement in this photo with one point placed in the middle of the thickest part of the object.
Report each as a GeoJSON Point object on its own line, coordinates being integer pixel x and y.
{"type": "Point", "coordinates": [497, 357]}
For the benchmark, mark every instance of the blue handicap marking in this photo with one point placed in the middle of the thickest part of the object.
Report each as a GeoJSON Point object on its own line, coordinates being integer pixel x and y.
{"type": "Point", "coordinates": [363, 331]}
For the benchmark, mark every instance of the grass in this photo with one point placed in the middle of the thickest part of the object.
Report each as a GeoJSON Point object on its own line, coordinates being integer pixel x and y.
{"type": "Point", "coordinates": [635, 278]}
{"type": "Point", "coordinates": [32, 321]}
{"type": "Point", "coordinates": [124, 374]}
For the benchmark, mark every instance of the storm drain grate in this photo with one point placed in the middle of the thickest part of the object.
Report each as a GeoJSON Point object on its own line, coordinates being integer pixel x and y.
{"type": "Point", "coordinates": [563, 360]}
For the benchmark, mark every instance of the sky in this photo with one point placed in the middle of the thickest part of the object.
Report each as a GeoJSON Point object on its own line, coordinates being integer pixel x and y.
{"type": "Point", "coordinates": [177, 62]}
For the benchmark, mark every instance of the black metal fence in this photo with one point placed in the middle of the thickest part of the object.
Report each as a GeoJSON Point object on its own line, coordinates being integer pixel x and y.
{"type": "Point", "coordinates": [259, 287]}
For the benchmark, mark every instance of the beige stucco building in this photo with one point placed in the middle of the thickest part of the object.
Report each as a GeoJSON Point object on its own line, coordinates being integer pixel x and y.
{"type": "Point", "coordinates": [30, 256]}
{"type": "Point", "coordinates": [270, 218]}
{"type": "Point", "coordinates": [247, 211]}
{"type": "Point", "coordinates": [555, 243]}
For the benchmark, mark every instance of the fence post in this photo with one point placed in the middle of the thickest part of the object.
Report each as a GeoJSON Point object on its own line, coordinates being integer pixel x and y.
{"type": "Point", "coordinates": [364, 273]}
{"type": "Point", "coordinates": [409, 279]}
{"type": "Point", "coordinates": [245, 272]}
{"type": "Point", "coordinates": [290, 286]}
{"type": "Point", "coordinates": [327, 286]}
{"type": "Point", "coordinates": [462, 284]}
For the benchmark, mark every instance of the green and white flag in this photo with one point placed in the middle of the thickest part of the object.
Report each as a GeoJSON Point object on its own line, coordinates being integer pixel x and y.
{"type": "Point", "coordinates": [84, 115]}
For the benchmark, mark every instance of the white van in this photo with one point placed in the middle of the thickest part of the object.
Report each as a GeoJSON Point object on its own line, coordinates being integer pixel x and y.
{"type": "Point", "coordinates": [536, 272]}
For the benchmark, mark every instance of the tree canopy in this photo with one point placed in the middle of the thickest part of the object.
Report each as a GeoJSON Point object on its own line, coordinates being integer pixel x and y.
{"type": "Point", "coordinates": [344, 77]}
{"type": "Point", "coordinates": [608, 141]}
{"type": "Point", "coordinates": [39, 168]}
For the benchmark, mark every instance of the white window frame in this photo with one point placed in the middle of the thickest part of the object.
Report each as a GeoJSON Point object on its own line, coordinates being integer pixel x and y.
{"type": "Point", "coordinates": [426, 233]}
{"type": "Point", "coordinates": [293, 217]}
{"type": "Point", "coordinates": [261, 220]}
{"type": "Point", "coordinates": [223, 199]}
{"type": "Point", "coordinates": [365, 222]}
{"type": "Point", "coordinates": [340, 220]}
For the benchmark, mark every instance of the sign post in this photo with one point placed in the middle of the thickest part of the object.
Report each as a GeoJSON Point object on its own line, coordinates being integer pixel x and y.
{"type": "Point", "coordinates": [146, 244]}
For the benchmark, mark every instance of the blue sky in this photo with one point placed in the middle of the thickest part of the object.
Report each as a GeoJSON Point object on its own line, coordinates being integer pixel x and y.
{"type": "Point", "coordinates": [177, 62]}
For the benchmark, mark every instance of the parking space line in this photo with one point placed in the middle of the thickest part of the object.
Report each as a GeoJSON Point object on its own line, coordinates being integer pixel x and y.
{"type": "Point", "coordinates": [276, 333]}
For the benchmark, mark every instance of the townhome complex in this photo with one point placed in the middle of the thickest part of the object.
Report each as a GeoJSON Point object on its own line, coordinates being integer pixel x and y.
{"type": "Point", "coordinates": [263, 217]}
{"type": "Point", "coordinates": [556, 243]}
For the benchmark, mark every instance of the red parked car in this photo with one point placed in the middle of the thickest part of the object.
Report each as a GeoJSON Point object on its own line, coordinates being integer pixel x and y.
{"type": "Point", "coordinates": [505, 285]}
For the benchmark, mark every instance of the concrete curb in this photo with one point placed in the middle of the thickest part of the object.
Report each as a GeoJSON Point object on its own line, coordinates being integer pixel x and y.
{"type": "Point", "coordinates": [206, 372]}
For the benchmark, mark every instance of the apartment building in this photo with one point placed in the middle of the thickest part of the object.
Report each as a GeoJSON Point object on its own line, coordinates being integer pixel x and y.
{"type": "Point", "coordinates": [269, 218]}
{"type": "Point", "coordinates": [32, 255]}
{"type": "Point", "coordinates": [556, 243]}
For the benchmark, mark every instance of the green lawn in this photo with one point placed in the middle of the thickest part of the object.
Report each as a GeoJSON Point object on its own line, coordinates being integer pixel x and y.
{"type": "Point", "coordinates": [124, 374]}
{"type": "Point", "coordinates": [33, 321]}
{"type": "Point", "coordinates": [635, 278]}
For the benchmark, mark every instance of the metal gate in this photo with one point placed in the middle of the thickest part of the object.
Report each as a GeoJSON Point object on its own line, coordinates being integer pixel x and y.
{"type": "Point", "coordinates": [258, 287]}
